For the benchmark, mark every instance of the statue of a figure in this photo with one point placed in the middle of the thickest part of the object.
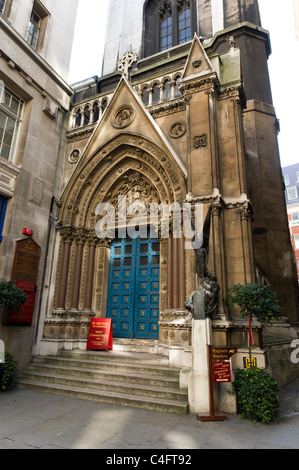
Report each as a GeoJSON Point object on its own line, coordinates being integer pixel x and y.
{"type": "Point", "coordinates": [207, 282]}
{"type": "Point", "coordinates": [202, 253]}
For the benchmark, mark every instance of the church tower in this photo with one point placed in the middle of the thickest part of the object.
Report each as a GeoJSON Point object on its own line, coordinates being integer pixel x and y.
{"type": "Point", "coordinates": [181, 117]}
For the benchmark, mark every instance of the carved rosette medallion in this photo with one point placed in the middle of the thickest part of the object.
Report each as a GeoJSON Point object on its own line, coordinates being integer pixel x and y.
{"type": "Point", "coordinates": [74, 156]}
{"type": "Point", "coordinates": [200, 141]}
{"type": "Point", "coordinates": [196, 63]}
{"type": "Point", "coordinates": [177, 130]}
{"type": "Point", "coordinates": [123, 117]}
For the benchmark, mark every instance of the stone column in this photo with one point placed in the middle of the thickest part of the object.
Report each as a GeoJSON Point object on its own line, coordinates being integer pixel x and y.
{"type": "Point", "coordinates": [182, 280]}
{"type": "Point", "coordinates": [198, 389]}
{"type": "Point", "coordinates": [67, 239]}
{"type": "Point", "coordinates": [169, 274]}
{"type": "Point", "coordinates": [176, 291]}
{"type": "Point", "coordinates": [239, 144]}
{"type": "Point", "coordinates": [249, 270]}
{"type": "Point", "coordinates": [77, 272]}
{"type": "Point", "coordinates": [213, 137]}
{"type": "Point", "coordinates": [175, 274]}
{"type": "Point", "coordinates": [90, 273]}
{"type": "Point", "coordinates": [218, 248]}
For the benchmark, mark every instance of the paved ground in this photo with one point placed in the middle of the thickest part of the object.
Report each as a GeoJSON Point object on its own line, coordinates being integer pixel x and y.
{"type": "Point", "coordinates": [31, 420]}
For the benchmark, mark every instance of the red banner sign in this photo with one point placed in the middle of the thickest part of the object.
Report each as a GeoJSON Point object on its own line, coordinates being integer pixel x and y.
{"type": "Point", "coordinates": [222, 372]}
{"type": "Point", "coordinates": [24, 316]}
{"type": "Point", "coordinates": [100, 334]}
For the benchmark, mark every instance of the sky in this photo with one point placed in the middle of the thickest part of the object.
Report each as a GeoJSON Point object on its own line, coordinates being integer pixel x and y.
{"type": "Point", "coordinates": [283, 63]}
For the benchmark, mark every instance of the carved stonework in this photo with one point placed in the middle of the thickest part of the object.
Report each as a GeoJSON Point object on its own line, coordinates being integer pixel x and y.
{"type": "Point", "coordinates": [196, 63]}
{"type": "Point", "coordinates": [123, 117]}
{"type": "Point", "coordinates": [200, 141]}
{"type": "Point", "coordinates": [177, 130]}
{"type": "Point", "coordinates": [175, 327]}
{"type": "Point", "coordinates": [74, 156]}
{"type": "Point", "coordinates": [164, 8]}
{"type": "Point", "coordinates": [126, 63]}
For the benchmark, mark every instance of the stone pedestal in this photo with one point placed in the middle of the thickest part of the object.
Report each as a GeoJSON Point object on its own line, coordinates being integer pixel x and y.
{"type": "Point", "coordinates": [198, 387]}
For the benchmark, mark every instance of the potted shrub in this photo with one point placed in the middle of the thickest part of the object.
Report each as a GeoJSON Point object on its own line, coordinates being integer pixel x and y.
{"type": "Point", "coordinates": [254, 301]}
{"type": "Point", "coordinates": [257, 395]}
{"type": "Point", "coordinates": [11, 297]}
{"type": "Point", "coordinates": [8, 372]}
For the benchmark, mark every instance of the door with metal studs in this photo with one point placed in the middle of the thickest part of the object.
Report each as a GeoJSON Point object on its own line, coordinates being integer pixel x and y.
{"type": "Point", "coordinates": [134, 286]}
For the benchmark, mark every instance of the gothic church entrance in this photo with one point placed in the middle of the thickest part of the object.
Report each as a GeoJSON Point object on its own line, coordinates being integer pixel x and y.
{"type": "Point", "coordinates": [134, 286]}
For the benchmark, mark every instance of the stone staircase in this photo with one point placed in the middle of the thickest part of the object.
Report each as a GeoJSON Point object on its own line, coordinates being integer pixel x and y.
{"type": "Point", "coordinates": [136, 379]}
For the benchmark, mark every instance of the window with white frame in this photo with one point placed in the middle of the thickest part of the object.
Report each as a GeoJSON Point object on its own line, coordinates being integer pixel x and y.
{"type": "Point", "coordinates": [295, 218]}
{"type": "Point", "coordinates": [37, 26]}
{"type": "Point", "coordinates": [286, 179]}
{"type": "Point", "coordinates": [296, 242]}
{"type": "Point", "coordinates": [33, 29]}
{"type": "Point", "coordinates": [10, 119]}
{"type": "Point", "coordinates": [292, 193]}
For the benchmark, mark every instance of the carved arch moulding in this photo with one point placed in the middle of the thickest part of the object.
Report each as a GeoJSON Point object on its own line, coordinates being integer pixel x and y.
{"type": "Point", "coordinates": [127, 161]}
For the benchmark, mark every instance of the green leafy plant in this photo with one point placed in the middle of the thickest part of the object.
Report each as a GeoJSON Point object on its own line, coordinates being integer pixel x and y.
{"type": "Point", "coordinates": [11, 297]}
{"type": "Point", "coordinates": [254, 300]}
{"type": "Point", "coordinates": [10, 365]}
{"type": "Point", "coordinates": [257, 395]}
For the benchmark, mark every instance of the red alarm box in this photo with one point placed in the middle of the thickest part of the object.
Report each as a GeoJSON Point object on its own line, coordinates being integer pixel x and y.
{"type": "Point", "coordinates": [27, 231]}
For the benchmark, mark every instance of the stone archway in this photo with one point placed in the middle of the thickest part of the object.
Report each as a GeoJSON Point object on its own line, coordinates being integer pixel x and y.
{"type": "Point", "coordinates": [130, 165]}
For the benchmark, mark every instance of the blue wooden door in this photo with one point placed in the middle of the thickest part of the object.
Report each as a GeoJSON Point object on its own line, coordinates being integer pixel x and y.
{"type": "Point", "coordinates": [134, 286]}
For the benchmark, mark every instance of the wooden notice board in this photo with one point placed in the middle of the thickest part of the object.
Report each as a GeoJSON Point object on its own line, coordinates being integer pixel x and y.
{"type": "Point", "coordinates": [24, 274]}
{"type": "Point", "coordinates": [26, 261]}
{"type": "Point", "coordinates": [100, 334]}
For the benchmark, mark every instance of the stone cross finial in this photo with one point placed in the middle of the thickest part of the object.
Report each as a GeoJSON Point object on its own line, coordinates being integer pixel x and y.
{"type": "Point", "coordinates": [126, 63]}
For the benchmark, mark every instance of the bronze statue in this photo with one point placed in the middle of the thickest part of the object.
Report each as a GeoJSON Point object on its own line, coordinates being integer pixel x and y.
{"type": "Point", "coordinates": [207, 282]}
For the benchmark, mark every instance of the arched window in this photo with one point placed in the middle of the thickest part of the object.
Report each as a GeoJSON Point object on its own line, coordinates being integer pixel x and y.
{"type": "Point", "coordinates": [166, 91]}
{"type": "Point", "coordinates": [156, 94]}
{"type": "Point", "coordinates": [104, 104]}
{"type": "Point", "coordinates": [78, 118]}
{"type": "Point", "coordinates": [96, 112]}
{"type": "Point", "coordinates": [168, 24]}
{"type": "Point", "coordinates": [145, 96]}
{"type": "Point", "coordinates": [177, 92]}
{"type": "Point", "coordinates": [86, 120]}
{"type": "Point", "coordinates": [165, 27]}
{"type": "Point", "coordinates": [184, 23]}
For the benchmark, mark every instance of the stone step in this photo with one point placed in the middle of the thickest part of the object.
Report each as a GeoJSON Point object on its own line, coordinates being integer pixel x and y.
{"type": "Point", "coordinates": [118, 356]}
{"type": "Point", "coordinates": [126, 378]}
{"type": "Point", "coordinates": [106, 385]}
{"type": "Point", "coordinates": [129, 367]}
{"type": "Point", "coordinates": [116, 376]}
{"type": "Point", "coordinates": [157, 404]}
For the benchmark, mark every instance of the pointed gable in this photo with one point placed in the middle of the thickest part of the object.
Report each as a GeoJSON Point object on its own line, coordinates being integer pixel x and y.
{"type": "Point", "coordinates": [198, 62]}
{"type": "Point", "coordinates": [126, 114]}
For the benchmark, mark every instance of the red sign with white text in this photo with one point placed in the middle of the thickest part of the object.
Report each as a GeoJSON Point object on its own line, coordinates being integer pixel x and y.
{"type": "Point", "coordinates": [100, 334]}
{"type": "Point", "coordinates": [222, 372]}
